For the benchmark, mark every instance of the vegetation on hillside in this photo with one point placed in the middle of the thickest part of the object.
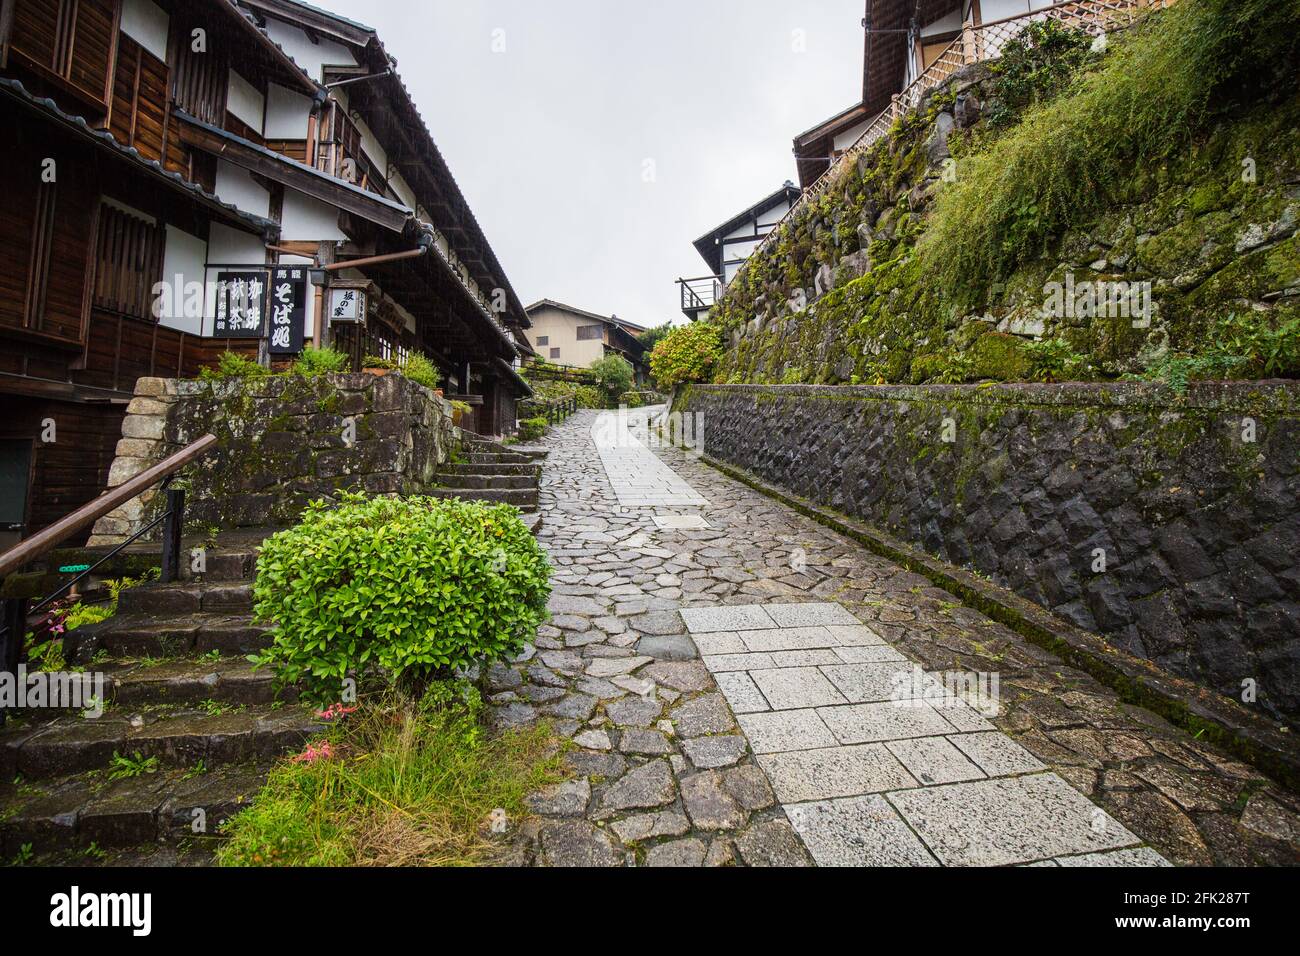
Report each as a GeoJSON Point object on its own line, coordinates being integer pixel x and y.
{"type": "Point", "coordinates": [1167, 162]}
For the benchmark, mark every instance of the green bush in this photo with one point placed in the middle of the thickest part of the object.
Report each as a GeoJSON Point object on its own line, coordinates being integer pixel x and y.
{"type": "Point", "coordinates": [1074, 156]}
{"type": "Point", "coordinates": [420, 370]}
{"type": "Point", "coordinates": [686, 354]}
{"type": "Point", "coordinates": [589, 397]}
{"type": "Point", "coordinates": [313, 362]}
{"type": "Point", "coordinates": [1036, 65]}
{"type": "Point", "coordinates": [651, 337]}
{"type": "Point", "coordinates": [614, 375]}
{"type": "Point", "coordinates": [418, 587]}
{"type": "Point", "coordinates": [531, 429]}
{"type": "Point", "coordinates": [233, 365]}
{"type": "Point", "coordinates": [1249, 347]}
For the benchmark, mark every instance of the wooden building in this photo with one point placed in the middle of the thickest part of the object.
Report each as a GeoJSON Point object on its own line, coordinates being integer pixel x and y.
{"type": "Point", "coordinates": [165, 152]}
{"type": "Point", "coordinates": [566, 335]}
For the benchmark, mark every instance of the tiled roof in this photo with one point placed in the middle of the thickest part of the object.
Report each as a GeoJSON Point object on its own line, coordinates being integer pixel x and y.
{"type": "Point", "coordinates": [78, 124]}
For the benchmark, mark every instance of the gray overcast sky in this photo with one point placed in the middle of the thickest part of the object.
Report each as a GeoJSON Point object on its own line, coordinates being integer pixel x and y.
{"type": "Point", "coordinates": [549, 138]}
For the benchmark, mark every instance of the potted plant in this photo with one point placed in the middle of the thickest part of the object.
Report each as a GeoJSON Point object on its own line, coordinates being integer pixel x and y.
{"type": "Point", "coordinates": [374, 365]}
{"type": "Point", "coordinates": [458, 410]}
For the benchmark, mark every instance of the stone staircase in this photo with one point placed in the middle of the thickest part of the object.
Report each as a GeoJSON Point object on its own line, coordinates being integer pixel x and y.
{"type": "Point", "coordinates": [197, 726]}
{"type": "Point", "coordinates": [489, 471]}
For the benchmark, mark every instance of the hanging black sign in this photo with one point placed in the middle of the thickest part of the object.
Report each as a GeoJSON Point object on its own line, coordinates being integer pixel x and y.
{"type": "Point", "coordinates": [288, 309]}
{"type": "Point", "coordinates": [241, 305]}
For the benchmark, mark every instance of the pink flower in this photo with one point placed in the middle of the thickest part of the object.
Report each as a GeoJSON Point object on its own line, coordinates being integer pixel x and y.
{"type": "Point", "coordinates": [334, 711]}
{"type": "Point", "coordinates": [314, 753]}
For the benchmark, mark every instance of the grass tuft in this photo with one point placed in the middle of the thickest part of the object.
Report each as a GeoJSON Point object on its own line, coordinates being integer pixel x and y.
{"type": "Point", "coordinates": [409, 784]}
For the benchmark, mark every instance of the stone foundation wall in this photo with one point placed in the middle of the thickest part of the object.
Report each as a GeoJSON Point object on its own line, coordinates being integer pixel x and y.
{"type": "Point", "coordinates": [1169, 524]}
{"type": "Point", "coordinates": [285, 440]}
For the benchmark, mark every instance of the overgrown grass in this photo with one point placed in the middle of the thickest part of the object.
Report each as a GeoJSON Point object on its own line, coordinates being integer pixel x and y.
{"type": "Point", "coordinates": [407, 784]}
{"type": "Point", "coordinates": [1101, 142]}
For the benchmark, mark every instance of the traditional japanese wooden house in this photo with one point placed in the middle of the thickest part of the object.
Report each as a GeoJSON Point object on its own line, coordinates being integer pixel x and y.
{"type": "Point", "coordinates": [166, 153]}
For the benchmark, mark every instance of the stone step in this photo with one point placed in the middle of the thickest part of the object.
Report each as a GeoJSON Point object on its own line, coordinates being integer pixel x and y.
{"type": "Point", "coordinates": [488, 481]}
{"type": "Point", "coordinates": [71, 813]}
{"type": "Point", "coordinates": [497, 458]}
{"type": "Point", "coordinates": [222, 565]}
{"type": "Point", "coordinates": [229, 680]}
{"type": "Point", "coordinates": [219, 597]}
{"type": "Point", "coordinates": [528, 471]}
{"type": "Point", "coordinates": [177, 737]}
{"type": "Point", "coordinates": [144, 635]}
{"type": "Point", "coordinates": [183, 680]}
{"type": "Point", "coordinates": [536, 452]}
{"type": "Point", "coordinates": [523, 498]}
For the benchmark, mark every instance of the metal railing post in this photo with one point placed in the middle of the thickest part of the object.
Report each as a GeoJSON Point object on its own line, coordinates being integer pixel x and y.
{"type": "Point", "coordinates": [11, 639]}
{"type": "Point", "coordinates": [171, 535]}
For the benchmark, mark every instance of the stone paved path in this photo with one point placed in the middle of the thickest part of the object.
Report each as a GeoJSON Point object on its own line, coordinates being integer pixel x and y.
{"type": "Point", "coordinates": [746, 687]}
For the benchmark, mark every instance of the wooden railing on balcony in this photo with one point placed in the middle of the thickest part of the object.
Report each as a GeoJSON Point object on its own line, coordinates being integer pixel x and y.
{"type": "Point", "coordinates": [976, 42]}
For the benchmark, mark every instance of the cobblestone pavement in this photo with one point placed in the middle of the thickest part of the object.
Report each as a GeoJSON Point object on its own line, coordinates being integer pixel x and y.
{"type": "Point", "coordinates": [729, 673]}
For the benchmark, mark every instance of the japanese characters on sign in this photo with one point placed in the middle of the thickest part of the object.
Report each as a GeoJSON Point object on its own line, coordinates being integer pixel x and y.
{"type": "Point", "coordinates": [288, 309]}
{"type": "Point", "coordinates": [241, 304]}
{"type": "Point", "coordinates": [347, 305]}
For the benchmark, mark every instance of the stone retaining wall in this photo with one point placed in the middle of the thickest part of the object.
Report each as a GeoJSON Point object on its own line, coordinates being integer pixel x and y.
{"type": "Point", "coordinates": [285, 440]}
{"type": "Point", "coordinates": [1169, 524]}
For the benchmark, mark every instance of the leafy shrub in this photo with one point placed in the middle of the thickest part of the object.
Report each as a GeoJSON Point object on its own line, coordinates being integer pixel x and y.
{"type": "Point", "coordinates": [313, 362]}
{"type": "Point", "coordinates": [420, 370]}
{"type": "Point", "coordinates": [419, 587]}
{"type": "Point", "coordinates": [1053, 360]}
{"type": "Point", "coordinates": [1070, 158]}
{"type": "Point", "coordinates": [233, 365]}
{"type": "Point", "coordinates": [651, 337]}
{"type": "Point", "coordinates": [686, 354]}
{"type": "Point", "coordinates": [589, 397]}
{"type": "Point", "coordinates": [375, 361]}
{"type": "Point", "coordinates": [1035, 65]}
{"type": "Point", "coordinates": [1238, 347]}
{"type": "Point", "coordinates": [614, 375]}
{"type": "Point", "coordinates": [400, 782]}
{"type": "Point", "coordinates": [531, 429]}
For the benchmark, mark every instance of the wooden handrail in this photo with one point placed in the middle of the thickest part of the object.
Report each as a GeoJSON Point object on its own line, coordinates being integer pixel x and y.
{"type": "Point", "coordinates": [43, 542]}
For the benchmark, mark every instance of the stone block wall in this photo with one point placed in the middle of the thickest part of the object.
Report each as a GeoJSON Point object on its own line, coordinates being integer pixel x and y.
{"type": "Point", "coordinates": [1169, 524]}
{"type": "Point", "coordinates": [284, 441]}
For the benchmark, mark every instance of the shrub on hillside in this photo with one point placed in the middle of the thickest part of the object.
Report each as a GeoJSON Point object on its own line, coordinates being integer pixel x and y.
{"type": "Point", "coordinates": [531, 429]}
{"type": "Point", "coordinates": [686, 354]}
{"type": "Point", "coordinates": [418, 587]}
{"type": "Point", "coordinates": [614, 376]}
{"type": "Point", "coordinates": [313, 362]}
{"type": "Point", "coordinates": [1070, 158]}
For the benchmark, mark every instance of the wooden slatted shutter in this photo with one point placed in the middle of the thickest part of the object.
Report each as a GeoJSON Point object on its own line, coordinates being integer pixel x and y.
{"type": "Point", "coordinates": [70, 41]}
{"type": "Point", "coordinates": [128, 262]}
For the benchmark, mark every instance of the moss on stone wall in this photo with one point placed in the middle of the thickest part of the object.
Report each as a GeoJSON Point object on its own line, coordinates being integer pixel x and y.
{"type": "Point", "coordinates": [840, 296]}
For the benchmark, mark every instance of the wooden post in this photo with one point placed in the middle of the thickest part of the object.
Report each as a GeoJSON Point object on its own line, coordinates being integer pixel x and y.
{"type": "Point", "coordinates": [171, 535]}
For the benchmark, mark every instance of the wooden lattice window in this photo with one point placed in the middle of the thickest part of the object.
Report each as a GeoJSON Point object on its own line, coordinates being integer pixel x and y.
{"type": "Point", "coordinates": [70, 42]}
{"type": "Point", "coordinates": [128, 263]}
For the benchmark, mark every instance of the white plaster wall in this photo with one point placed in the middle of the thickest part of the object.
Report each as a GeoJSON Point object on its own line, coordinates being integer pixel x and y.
{"type": "Point", "coordinates": [237, 187]}
{"type": "Point", "coordinates": [844, 140]}
{"type": "Point", "coordinates": [312, 57]}
{"type": "Point", "coordinates": [286, 113]}
{"type": "Point", "coordinates": [246, 101]}
{"type": "Point", "coordinates": [146, 24]}
{"type": "Point", "coordinates": [184, 256]}
{"type": "Point", "coordinates": [304, 219]}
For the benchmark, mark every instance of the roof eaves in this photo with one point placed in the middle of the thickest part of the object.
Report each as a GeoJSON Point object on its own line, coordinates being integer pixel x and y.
{"type": "Point", "coordinates": [15, 89]}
